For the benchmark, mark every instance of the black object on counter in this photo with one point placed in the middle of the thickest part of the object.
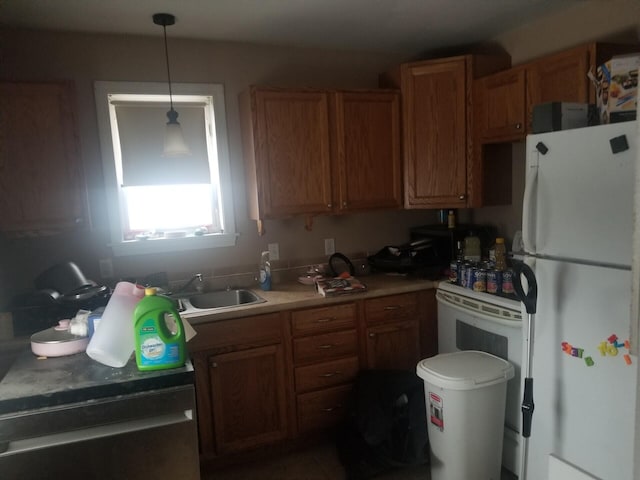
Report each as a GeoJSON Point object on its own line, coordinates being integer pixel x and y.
{"type": "Point", "coordinates": [339, 263]}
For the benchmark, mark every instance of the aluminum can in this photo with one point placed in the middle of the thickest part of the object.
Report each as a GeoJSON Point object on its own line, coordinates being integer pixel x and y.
{"type": "Point", "coordinates": [479, 280]}
{"type": "Point", "coordinates": [494, 281]}
{"type": "Point", "coordinates": [464, 274]}
{"type": "Point", "coordinates": [507, 281]}
{"type": "Point", "coordinates": [453, 272]}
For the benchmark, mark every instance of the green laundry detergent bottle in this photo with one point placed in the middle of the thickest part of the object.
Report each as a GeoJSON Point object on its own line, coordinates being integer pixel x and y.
{"type": "Point", "coordinates": [160, 342]}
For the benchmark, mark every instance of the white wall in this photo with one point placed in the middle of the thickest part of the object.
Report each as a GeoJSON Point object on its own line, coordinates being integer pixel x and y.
{"type": "Point", "coordinates": [84, 58]}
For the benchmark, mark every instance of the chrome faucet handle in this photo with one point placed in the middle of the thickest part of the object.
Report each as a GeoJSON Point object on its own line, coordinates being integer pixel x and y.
{"type": "Point", "coordinates": [199, 286]}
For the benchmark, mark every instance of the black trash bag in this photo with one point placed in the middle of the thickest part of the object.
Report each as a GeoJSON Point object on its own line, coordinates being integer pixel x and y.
{"type": "Point", "coordinates": [386, 427]}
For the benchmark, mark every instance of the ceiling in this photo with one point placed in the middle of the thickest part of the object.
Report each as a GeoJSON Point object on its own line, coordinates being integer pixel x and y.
{"type": "Point", "coordinates": [407, 26]}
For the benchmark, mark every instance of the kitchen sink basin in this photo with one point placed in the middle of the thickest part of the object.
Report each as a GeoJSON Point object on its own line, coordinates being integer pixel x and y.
{"type": "Point", "coordinates": [224, 298]}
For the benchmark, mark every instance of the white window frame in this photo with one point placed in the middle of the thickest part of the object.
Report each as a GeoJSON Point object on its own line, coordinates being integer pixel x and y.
{"type": "Point", "coordinates": [114, 194]}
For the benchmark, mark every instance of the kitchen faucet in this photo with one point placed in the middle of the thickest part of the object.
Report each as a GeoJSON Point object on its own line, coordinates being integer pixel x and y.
{"type": "Point", "coordinates": [199, 286]}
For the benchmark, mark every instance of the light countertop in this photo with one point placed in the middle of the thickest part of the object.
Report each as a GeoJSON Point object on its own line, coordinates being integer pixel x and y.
{"type": "Point", "coordinates": [293, 295]}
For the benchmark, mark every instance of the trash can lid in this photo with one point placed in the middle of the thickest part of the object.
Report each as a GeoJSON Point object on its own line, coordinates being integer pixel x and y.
{"type": "Point", "coordinates": [466, 370]}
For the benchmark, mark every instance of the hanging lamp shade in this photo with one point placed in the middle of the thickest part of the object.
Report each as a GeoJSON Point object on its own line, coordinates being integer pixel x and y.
{"type": "Point", "coordinates": [174, 144]}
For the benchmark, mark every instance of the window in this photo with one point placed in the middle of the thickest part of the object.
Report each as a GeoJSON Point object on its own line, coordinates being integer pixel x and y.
{"type": "Point", "coordinates": [161, 204]}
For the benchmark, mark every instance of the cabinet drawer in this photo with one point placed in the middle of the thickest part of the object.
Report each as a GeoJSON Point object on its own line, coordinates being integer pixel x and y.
{"type": "Point", "coordinates": [323, 319]}
{"type": "Point", "coordinates": [323, 409]}
{"type": "Point", "coordinates": [326, 374]}
{"type": "Point", "coordinates": [393, 307]}
{"type": "Point", "coordinates": [325, 347]}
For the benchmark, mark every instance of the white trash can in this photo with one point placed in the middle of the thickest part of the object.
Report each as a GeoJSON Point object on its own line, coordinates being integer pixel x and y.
{"type": "Point", "coordinates": [465, 394]}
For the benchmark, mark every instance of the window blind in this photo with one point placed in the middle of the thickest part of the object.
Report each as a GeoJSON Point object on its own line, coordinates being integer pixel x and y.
{"type": "Point", "coordinates": [141, 130]}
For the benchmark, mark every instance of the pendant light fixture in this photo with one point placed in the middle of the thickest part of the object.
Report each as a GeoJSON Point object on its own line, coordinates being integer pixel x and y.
{"type": "Point", "coordinates": [174, 144]}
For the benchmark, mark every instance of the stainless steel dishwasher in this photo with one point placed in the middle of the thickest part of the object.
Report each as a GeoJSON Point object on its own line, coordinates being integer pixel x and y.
{"type": "Point", "coordinates": [99, 423]}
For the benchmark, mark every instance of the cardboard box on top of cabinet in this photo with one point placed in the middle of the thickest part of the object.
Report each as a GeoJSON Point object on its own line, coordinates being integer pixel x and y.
{"type": "Point", "coordinates": [617, 88]}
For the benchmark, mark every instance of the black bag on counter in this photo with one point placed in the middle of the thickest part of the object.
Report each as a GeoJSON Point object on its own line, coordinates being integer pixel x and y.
{"type": "Point", "coordinates": [420, 257]}
{"type": "Point", "coordinates": [386, 427]}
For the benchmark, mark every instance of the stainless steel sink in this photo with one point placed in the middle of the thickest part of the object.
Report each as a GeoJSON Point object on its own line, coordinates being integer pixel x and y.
{"type": "Point", "coordinates": [224, 299]}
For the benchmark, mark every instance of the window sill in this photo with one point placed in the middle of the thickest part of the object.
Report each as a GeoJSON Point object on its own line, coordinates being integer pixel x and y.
{"type": "Point", "coordinates": [168, 245]}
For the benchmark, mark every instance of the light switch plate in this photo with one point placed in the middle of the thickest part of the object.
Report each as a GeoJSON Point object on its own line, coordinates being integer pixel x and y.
{"type": "Point", "coordinates": [274, 251]}
{"type": "Point", "coordinates": [329, 246]}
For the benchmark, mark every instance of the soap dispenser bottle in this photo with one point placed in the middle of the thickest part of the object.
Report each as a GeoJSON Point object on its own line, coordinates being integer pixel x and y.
{"type": "Point", "coordinates": [265, 272]}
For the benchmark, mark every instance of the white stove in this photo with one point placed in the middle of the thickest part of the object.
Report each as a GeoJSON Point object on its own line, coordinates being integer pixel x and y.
{"type": "Point", "coordinates": [469, 320]}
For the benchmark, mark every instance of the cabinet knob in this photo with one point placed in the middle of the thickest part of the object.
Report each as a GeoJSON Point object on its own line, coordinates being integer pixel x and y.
{"type": "Point", "coordinates": [214, 364]}
{"type": "Point", "coordinates": [344, 204]}
{"type": "Point", "coordinates": [372, 335]}
{"type": "Point", "coordinates": [329, 205]}
{"type": "Point", "coordinates": [78, 220]}
{"type": "Point", "coordinates": [461, 197]}
{"type": "Point", "coordinates": [518, 126]}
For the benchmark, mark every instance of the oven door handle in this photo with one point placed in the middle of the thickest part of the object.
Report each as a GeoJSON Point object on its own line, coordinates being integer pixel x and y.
{"type": "Point", "coordinates": [447, 299]}
{"type": "Point", "coordinates": [86, 434]}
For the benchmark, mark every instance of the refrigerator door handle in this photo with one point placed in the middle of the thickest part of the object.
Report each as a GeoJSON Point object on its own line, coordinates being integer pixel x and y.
{"type": "Point", "coordinates": [530, 185]}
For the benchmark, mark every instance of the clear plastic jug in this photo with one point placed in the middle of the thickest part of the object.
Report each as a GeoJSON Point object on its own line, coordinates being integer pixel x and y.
{"type": "Point", "coordinates": [112, 344]}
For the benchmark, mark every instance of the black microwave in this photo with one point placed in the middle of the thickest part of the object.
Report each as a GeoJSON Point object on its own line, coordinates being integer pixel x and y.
{"type": "Point", "coordinates": [446, 241]}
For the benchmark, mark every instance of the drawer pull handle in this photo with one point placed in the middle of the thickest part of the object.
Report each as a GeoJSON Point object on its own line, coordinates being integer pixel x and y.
{"type": "Point", "coordinates": [326, 346]}
{"type": "Point", "coordinates": [325, 320]}
{"type": "Point", "coordinates": [392, 307]}
{"type": "Point", "coordinates": [330, 374]}
{"type": "Point", "coordinates": [331, 409]}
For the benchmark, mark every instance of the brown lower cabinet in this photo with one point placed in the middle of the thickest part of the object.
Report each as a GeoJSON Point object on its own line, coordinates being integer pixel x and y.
{"type": "Point", "coordinates": [264, 379]}
{"type": "Point", "coordinates": [393, 331]}
{"type": "Point", "coordinates": [326, 360]}
{"type": "Point", "coordinates": [248, 388]}
{"type": "Point", "coordinates": [394, 346]}
{"type": "Point", "coordinates": [324, 408]}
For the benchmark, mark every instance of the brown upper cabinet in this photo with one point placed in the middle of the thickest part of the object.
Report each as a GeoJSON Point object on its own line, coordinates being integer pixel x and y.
{"type": "Point", "coordinates": [42, 189]}
{"type": "Point", "coordinates": [318, 152]}
{"type": "Point", "coordinates": [505, 100]}
{"type": "Point", "coordinates": [437, 126]}
{"type": "Point", "coordinates": [367, 150]}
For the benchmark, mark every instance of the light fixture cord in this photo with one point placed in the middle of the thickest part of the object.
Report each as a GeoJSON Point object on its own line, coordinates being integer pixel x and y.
{"type": "Point", "coordinates": [166, 53]}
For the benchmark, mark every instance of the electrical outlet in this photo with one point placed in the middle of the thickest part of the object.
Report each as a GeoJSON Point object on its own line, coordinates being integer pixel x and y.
{"type": "Point", "coordinates": [274, 251]}
{"type": "Point", "coordinates": [329, 246]}
{"type": "Point", "coordinates": [106, 268]}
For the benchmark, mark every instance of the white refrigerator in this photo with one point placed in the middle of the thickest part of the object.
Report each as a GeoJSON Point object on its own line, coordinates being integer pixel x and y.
{"type": "Point", "coordinates": [577, 233]}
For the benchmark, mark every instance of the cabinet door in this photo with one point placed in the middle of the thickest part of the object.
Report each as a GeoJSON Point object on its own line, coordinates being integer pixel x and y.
{"type": "Point", "coordinates": [42, 188]}
{"type": "Point", "coordinates": [558, 78]}
{"type": "Point", "coordinates": [394, 345]}
{"type": "Point", "coordinates": [435, 97]}
{"type": "Point", "coordinates": [500, 106]}
{"type": "Point", "coordinates": [248, 398]}
{"type": "Point", "coordinates": [367, 150]}
{"type": "Point", "coordinates": [293, 152]}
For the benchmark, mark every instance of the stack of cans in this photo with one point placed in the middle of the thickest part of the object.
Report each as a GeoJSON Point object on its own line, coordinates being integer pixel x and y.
{"type": "Point", "coordinates": [481, 277]}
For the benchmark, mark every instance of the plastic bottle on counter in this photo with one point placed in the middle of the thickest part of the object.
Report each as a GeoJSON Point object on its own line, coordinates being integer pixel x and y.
{"type": "Point", "coordinates": [113, 343]}
{"type": "Point", "coordinates": [159, 333]}
{"type": "Point", "coordinates": [472, 252]}
{"type": "Point", "coordinates": [265, 272]}
{"type": "Point", "coordinates": [451, 219]}
{"type": "Point", "coordinates": [501, 254]}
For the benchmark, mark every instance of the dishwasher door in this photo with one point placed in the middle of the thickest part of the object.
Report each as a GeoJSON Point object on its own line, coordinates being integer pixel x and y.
{"type": "Point", "coordinates": [138, 436]}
